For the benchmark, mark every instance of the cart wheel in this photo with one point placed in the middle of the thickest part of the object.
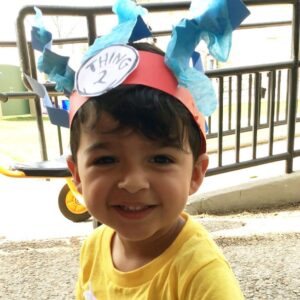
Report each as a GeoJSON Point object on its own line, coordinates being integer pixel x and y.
{"type": "Point", "coordinates": [70, 207]}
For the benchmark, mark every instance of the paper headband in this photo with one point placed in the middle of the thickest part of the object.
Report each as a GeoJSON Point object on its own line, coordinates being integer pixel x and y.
{"type": "Point", "coordinates": [123, 64]}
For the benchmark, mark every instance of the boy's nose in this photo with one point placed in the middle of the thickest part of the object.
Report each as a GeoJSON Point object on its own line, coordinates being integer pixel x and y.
{"type": "Point", "coordinates": [133, 181]}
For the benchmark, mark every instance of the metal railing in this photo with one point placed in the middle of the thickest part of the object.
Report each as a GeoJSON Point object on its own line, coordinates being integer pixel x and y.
{"type": "Point", "coordinates": [245, 105]}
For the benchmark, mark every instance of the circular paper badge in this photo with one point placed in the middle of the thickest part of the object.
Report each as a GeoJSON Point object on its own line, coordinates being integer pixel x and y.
{"type": "Point", "coordinates": [106, 70]}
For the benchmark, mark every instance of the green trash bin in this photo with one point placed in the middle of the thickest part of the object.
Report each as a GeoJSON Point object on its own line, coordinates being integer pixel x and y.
{"type": "Point", "coordinates": [10, 81]}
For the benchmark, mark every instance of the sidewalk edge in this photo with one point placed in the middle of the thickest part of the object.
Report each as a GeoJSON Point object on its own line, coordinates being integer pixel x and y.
{"type": "Point", "coordinates": [265, 193]}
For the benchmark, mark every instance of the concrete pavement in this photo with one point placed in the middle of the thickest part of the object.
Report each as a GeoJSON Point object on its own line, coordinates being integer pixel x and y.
{"type": "Point", "coordinates": [265, 193]}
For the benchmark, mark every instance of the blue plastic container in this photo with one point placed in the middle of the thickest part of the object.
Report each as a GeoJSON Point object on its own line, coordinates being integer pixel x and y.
{"type": "Point", "coordinates": [66, 104]}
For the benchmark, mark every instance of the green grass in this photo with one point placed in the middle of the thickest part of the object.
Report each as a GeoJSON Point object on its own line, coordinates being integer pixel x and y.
{"type": "Point", "coordinates": [19, 138]}
{"type": "Point", "coordinates": [21, 118]}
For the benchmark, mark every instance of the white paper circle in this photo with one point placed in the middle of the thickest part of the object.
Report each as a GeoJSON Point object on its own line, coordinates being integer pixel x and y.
{"type": "Point", "coordinates": [106, 70]}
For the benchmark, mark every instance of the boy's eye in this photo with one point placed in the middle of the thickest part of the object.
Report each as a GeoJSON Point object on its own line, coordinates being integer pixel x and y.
{"type": "Point", "coordinates": [161, 159]}
{"type": "Point", "coordinates": [105, 160]}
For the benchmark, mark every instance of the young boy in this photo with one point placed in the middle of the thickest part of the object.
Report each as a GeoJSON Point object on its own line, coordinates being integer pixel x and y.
{"type": "Point", "coordinates": [138, 151]}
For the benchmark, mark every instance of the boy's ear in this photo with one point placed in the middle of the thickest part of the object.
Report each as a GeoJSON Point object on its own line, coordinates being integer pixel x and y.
{"type": "Point", "coordinates": [74, 171]}
{"type": "Point", "coordinates": [200, 168]}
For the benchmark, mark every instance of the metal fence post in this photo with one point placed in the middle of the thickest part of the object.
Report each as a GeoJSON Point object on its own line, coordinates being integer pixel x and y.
{"type": "Point", "coordinates": [293, 86]}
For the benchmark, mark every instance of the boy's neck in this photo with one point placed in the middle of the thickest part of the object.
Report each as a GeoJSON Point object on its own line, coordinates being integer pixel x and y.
{"type": "Point", "coordinates": [128, 255]}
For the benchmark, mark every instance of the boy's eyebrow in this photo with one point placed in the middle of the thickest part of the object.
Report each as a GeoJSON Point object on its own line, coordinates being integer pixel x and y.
{"type": "Point", "coordinates": [163, 144]}
{"type": "Point", "coordinates": [96, 146]}
{"type": "Point", "coordinates": [107, 145]}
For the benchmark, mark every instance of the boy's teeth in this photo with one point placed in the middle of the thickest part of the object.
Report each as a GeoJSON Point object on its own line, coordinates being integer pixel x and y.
{"type": "Point", "coordinates": [133, 208]}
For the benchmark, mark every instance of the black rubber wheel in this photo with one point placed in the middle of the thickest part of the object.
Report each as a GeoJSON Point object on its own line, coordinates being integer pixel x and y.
{"type": "Point", "coordinates": [70, 207]}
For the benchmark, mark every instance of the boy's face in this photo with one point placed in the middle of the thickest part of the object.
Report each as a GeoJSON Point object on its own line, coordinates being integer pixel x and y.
{"type": "Point", "coordinates": [133, 184]}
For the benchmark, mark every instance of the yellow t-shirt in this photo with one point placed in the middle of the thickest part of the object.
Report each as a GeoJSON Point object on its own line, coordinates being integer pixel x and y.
{"type": "Point", "coordinates": [191, 268]}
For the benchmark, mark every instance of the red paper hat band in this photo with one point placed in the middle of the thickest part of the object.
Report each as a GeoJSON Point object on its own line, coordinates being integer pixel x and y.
{"type": "Point", "coordinates": [153, 72]}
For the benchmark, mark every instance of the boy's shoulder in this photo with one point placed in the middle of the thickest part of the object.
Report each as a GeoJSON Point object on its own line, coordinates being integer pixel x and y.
{"type": "Point", "coordinates": [197, 246]}
{"type": "Point", "coordinates": [97, 237]}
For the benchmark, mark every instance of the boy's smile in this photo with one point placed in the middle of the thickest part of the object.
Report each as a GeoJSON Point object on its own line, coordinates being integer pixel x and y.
{"type": "Point", "coordinates": [134, 185]}
{"type": "Point", "coordinates": [133, 211]}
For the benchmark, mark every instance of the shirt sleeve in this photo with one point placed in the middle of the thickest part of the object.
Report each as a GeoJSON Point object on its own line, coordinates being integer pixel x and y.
{"type": "Point", "coordinates": [79, 290]}
{"type": "Point", "coordinates": [215, 281]}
